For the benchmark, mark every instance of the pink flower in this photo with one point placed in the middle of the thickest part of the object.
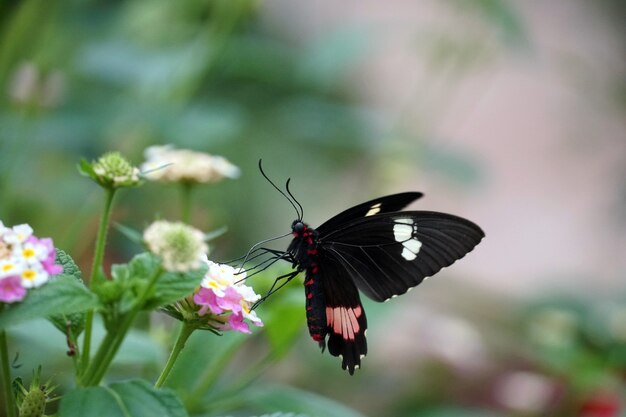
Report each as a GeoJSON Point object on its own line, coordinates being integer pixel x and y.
{"type": "Point", "coordinates": [236, 323]}
{"type": "Point", "coordinates": [206, 298]}
{"type": "Point", "coordinates": [49, 263]}
{"type": "Point", "coordinates": [221, 292]}
{"type": "Point", "coordinates": [11, 289]}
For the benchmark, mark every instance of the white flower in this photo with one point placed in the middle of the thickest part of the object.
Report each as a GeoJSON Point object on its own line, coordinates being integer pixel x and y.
{"type": "Point", "coordinates": [33, 276]}
{"type": "Point", "coordinates": [167, 164]}
{"type": "Point", "coordinates": [9, 267]}
{"type": "Point", "coordinates": [18, 234]}
{"type": "Point", "coordinates": [221, 276]}
{"type": "Point", "coordinates": [181, 247]}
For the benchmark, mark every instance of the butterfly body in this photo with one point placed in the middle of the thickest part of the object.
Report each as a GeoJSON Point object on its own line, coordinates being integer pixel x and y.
{"type": "Point", "coordinates": [303, 248]}
{"type": "Point", "coordinates": [373, 248]}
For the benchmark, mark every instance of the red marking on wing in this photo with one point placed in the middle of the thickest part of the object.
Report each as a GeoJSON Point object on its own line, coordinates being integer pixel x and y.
{"type": "Point", "coordinates": [344, 321]}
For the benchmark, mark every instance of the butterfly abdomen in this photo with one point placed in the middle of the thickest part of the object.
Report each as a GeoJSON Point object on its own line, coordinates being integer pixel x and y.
{"type": "Point", "coordinates": [305, 252]}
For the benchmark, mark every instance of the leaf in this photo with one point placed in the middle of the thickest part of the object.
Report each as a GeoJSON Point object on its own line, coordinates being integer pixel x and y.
{"type": "Point", "coordinates": [284, 321]}
{"type": "Point", "coordinates": [169, 288]}
{"type": "Point", "coordinates": [131, 234]}
{"type": "Point", "coordinates": [62, 295]}
{"type": "Point", "coordinates": [133, 398]}
{"type": "Point", "coordinates": [75, 321]}
{"type": "Point", "coordinates": [172, 287]}
{"type": "Point", "coordinates": [86, 169]}
{"type": "Point", "coordinates": [68, 264]}
{"type": "Point", "coordinates": [277, 398]}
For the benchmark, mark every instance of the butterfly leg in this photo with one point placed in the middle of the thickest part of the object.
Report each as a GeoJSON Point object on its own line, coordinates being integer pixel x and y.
{"type": "Point", "coordinates": [285, 278]}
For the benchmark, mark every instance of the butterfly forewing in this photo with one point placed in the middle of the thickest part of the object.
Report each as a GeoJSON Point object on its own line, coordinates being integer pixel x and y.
{"type": "Point", "coordinates": [386, 254]}
{"type": "Point", "coordinates": [386, 204]}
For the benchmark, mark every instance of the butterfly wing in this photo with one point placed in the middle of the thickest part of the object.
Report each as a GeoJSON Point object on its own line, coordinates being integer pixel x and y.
{"type": "Point", "coordinates": [386, 204]}
{"type": "Point", "coordinates": [387, 254]}
{"type": "Point", "coordinates": [345, 317]}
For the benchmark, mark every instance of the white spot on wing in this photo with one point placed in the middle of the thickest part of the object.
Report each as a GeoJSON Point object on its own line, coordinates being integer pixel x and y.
{"type": "Point", "coordinates": [408, 255]}
{"type": "Point", "coordinates": [413, 245]}
{"type": "Point", "coordinates": [402, 232]}
{"type": "Point", "coordinates": [373, 210]}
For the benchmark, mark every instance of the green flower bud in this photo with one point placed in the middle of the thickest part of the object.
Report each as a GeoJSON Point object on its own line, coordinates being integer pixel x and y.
{"type": "Point", "coordinates": [111, 170]}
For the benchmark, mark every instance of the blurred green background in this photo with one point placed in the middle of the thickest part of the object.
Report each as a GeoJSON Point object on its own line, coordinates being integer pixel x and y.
{"type": "Point", "coordinates": [507, 113]}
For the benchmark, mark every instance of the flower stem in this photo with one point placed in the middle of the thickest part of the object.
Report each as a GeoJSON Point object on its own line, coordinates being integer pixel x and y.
{"type": "Point", "coordinates": [186, 330]}
{"type": "Point", "coordinates": [112, 342]}
{"type": "Point", "coordinates": [9, 398]}
{"type": "Point", "coordinates": [95, 268]}
{"type": "Point", "coordinates": [185, 202]}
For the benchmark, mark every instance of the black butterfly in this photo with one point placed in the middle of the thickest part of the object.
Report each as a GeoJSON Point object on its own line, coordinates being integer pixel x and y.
{"type": "Point", "coordinates": [372, 247]}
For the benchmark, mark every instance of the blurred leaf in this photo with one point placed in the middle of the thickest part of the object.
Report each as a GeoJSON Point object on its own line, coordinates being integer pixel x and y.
{"type": "Point", "coordinates": [134, 398]}
{"type": "Point", "coordinates": [62, 295]}
{"type": "Point", "coordinates": [277, 398]}
{"type": "Point", "coordinates": [455, 412]}
{"type": "Point", "coordinates": [214, 351]}
{"type": "Point", "coordinates": [133, 235]}
{"type": "Point", "coordinates": [284, 321]}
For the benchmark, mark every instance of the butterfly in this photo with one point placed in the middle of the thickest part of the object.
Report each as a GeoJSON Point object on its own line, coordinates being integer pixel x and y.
{"type": "Point", "coordinates": [373, 248]}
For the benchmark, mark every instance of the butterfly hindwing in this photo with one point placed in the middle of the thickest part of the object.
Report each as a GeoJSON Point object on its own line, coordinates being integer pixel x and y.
{"type": "Point", "coordinates": [345, 317]}
{"type": "Point", "coordinates": [387, 254]}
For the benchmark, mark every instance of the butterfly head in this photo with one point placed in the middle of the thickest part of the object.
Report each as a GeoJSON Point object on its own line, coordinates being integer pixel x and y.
{"type": "Point", "coordinates": [298, 227]}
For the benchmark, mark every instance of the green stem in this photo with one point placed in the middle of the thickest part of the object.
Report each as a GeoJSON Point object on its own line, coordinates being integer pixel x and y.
{"type": "Point", "coordinates": [95, 268]}
{"type": "Point", "coordinates": [9, 398]}
{"type": "Point", "coordinates": [185, 202]}
{"type": "Point", "coordinates": [112, 342]}
{"type": "Point", "coordinates": [186, 330]}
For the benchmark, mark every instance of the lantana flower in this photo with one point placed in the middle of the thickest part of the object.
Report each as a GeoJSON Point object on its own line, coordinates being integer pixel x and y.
{"type": "Point", "coordinates": [26, 262]}
{"type": "Point", "coordinates": [181, 247]}
{"type": "Point", "coordinates": [222, 292]}
{"type": "Point", "coordinates": [167, 164]}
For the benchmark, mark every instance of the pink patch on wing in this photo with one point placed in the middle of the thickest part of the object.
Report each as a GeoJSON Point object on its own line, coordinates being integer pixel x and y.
{"type": "Point", "coordinates": [344, 321]}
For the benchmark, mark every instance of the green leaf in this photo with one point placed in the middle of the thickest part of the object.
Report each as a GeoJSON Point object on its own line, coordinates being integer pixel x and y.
{"type": "Point", "coordinates": [278, 398]}
{"type": "Point", "coordinates": [284, 322]}
{"type": "Point", "coordinates": [68, 264]}
{"type": "Point", "coordinates": [62, 295]}
{"type": "Point", "coordinates": [169, 288]}
{"type": "Point", "coordinates": [172, 287]}
{"type": "Point", "coordinates": [133, 398]}
{"type": "Point", "coordinates": [133, 235]}
{"type": "Point", "coordinates": [86, 169]}
{"type": "Point", "coordinates": [74, 321]}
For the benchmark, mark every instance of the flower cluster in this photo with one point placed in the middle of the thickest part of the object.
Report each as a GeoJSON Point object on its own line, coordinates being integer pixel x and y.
{"type": "Point", "coordinates": [181, 247]}
{"type": "Point", "coordinates": [222, 291]}
{"type": "Point", "coordinates": [167, 164]}
{"type": "Point", "coordinates": [25, 262]}
{"type": "Point", "coordinates": [113, 170]}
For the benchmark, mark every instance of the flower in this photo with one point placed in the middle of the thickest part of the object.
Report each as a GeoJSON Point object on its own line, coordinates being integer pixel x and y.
{"type": "Point", "coordinates": [25, 262]}
{"type": "Point", "coordinates": [222, 291]}
{"type": "Point", "coordinates": [168, 164]}
{"type": "Point", "coordinates": [113, 170]}
{"type": "Point", "coordinates": [181, 247]}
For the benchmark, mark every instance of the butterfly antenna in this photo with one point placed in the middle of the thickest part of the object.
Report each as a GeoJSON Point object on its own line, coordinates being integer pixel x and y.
{"type": "Point", "coordinates": [256, 245]}
{"type": "Point", "coordinates": [294, 199]}
{"type": "Point", "coordinates": [278, 189]}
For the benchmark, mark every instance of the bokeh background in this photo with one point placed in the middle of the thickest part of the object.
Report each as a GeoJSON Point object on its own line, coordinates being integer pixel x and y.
{"type": "Point", "coordinates": [509, 113]}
